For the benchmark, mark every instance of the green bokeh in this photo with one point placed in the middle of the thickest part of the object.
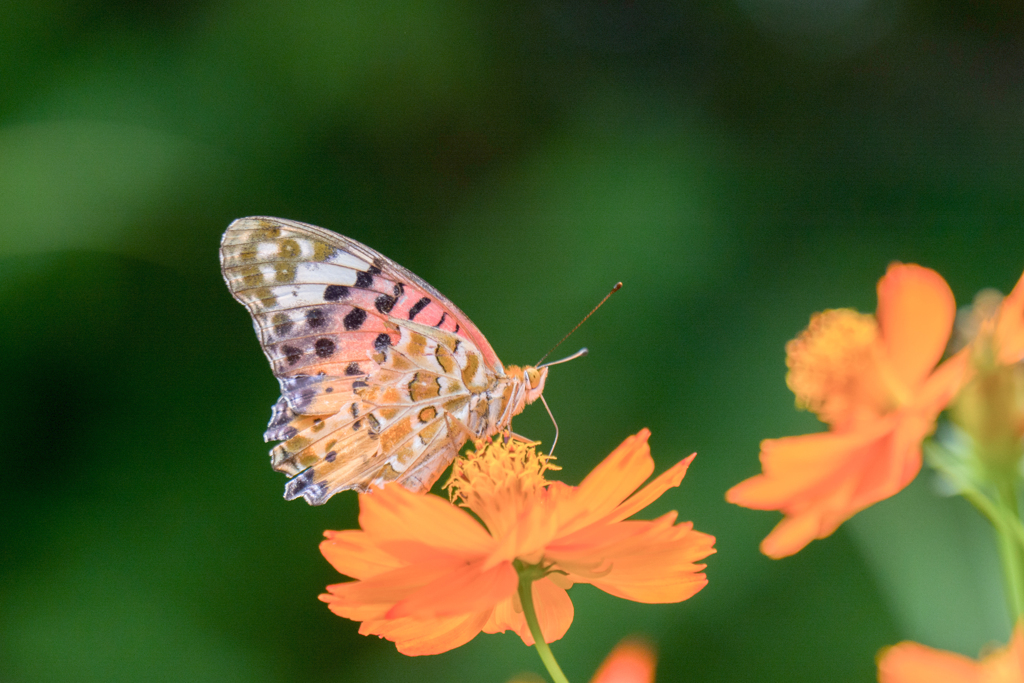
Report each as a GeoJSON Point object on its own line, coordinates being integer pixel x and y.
{"type": "Point", "coordinates": [738, 165]}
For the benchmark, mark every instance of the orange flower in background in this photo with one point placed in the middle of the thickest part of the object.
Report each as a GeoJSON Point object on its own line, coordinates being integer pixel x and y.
{"type": "Point", "coordinates": [910, 662]}
{"type": "Point", "coordinates": [632, 661]}
{"type": "Point", "coordinates": [873, 380]}
{"type": "Point", "coordinates": [430, 576]}
{"type": "Point", "coordinates": [1009, 326]}
{"type": "Point", "coordinates": [990, 407]}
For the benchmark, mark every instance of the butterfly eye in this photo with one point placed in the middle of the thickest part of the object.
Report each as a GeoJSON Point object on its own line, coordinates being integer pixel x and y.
{"type": "Point", "coordinates": [535, 379]}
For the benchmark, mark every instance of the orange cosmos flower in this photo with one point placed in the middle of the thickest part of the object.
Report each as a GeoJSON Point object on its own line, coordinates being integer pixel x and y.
{"type": "Point", "coordinates": [430, 576]}
{"type": "Point", "coordinates": [913, 663]}
{"type": "Point", "coordinates": [990, 406]}
{"type": "Point", "coordinates": [873, 380]}
{"type": "Point", "coordinates": [1009, 326]}
{"type": "Point", "coordinates": [632, 661]}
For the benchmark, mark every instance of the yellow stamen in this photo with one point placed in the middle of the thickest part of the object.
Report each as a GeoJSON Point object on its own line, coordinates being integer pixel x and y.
{"type": "Point", "coordinates": [834, 367]}
{"type": "Point", "coordinates": [499, 477]}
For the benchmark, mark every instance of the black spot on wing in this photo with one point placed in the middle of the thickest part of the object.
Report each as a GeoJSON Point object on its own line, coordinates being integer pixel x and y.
{"type": "Point", "coordinates": [291, 354]}
{"type": "Point", "coordinates": [316, 318]}
{"type": "Point", "coordinates": [354, 319]}
{"type": "Point", "coordinates": [335, 293]}
{"type": "Point", "coordinates": [353, 369]}
{"type": "Point", "coordinates": [282, 324]}
{"type": "Point", "coordinates": [374, 426]}
{"type": "Point", "coordinates": [385, 303]}
{"type": "Point", "coordinates": [382, 342]}
{"type": "Point", "coordinates": [359, 384]}
{"type": "Point", "coordinates": [364, 278]}
{"type": "Point", "coordinates": [399, 288]}
{"type": "Point", "coordinates": [331, 456]}
{"type": "Point", "coordinates": [441, 321]}
{"type": "Point", "coordinates": [324, 347]}
{"type": "Point", "coordinates": [418, 306]}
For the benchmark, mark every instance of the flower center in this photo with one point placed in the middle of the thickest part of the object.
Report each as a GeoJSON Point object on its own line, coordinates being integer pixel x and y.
{"type": "Point", "coordinates": [499, 480]}
{"type": "Point", "coordinates": [836, 368]}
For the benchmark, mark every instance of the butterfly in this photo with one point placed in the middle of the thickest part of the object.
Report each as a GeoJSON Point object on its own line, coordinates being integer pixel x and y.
{"type": "Point", "coordinates": [383, 379]}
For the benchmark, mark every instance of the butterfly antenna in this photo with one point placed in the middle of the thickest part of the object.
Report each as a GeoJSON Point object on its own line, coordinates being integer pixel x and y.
{"type": "Point", "coordinates": [581, 352]}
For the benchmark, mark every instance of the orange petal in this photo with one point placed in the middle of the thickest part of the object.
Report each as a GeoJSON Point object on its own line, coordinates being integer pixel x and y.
{"type": "Point", "coordinates": [670, 478]}
{"type": "Point", "coordinates": [915, 312]}
{"type": "Point", "coordinates": [416, 637]}
{"type": "Point", "coordinates": [658, 564]}
{"type": "Point", "coordinates": [910, 662]}
{"type": "Point", "coordinates": [886, 469]}
{"type": "Point", "coordinates": [507, 615]}
{"type": "Point", "coordinates": [554, 613]}
{"type": "Point", "coordinates": [354, 612]}
{"type": "Point", "coordinates": [795, 465]}
{"type": "Point", "coordinates": [384, 590]}
{"type": "Point", "coordinates": [1012, 658]}
{"type": "Point", "coordinates": [632, 661]}
{"type": "Point", "coordinates": [874, 471]}
{"type": "Point", "coordinates": [791, 535]}
{"type": "Point", "coordinates": [944, 384]}
{"type": "Point", "coordinates": [353, 553]}
{"type": "Point", "coordinates": [820, 480]}
{"type": "Point", "coordinates": [608, 484]}
{"type": "Point", "coordinates": [395, 514]}
{"type": "Point", "coordinates": [1010, 326]}
{"type": "Point", "coordinates": [533, 529]}
{"type": "Point", "coordinates": [595, 538]}
{"type": "Point", "coordinates": [464, 590]}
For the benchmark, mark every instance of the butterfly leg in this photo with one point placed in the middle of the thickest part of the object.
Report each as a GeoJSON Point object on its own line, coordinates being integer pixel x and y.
{"type": "Point", "coordinates": [553, 421]}
{"type": "Point", "coordinates": [457, 426]}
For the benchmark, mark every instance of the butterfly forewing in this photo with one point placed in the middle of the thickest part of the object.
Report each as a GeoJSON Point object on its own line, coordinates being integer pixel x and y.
{"type": "Point", "coordinates": [382, 378]}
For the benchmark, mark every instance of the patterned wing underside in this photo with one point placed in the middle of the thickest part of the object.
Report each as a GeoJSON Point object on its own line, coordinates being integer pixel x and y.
{"type": "Point", "coordinates": [358, 344]}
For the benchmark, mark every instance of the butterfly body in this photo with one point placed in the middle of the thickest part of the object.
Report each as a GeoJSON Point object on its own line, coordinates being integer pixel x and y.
{"type": "Point", "coordinates": [382, 378]}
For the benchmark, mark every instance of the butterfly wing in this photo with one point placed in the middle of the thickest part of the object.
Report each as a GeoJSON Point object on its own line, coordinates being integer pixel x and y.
{"type": "Point", "coordinates": [361, 348]}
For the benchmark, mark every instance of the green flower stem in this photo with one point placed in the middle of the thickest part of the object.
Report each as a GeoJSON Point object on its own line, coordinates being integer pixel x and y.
{"type": "Point", "coordinates": [526, 578]}
{"type": "Point", "coordinates": [940, 459]}
{"type": "Point", "coordinates": [1009, 550]}
{"type": "Point", "coordinates": [1005, 526]}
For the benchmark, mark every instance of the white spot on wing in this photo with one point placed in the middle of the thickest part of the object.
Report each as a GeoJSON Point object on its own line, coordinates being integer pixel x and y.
{"type": "Point", "coordinates": [343, 258]}
{"type": "Point", "coordinates": [267, 251]}
{"type": "Point", "coordinates": [325, 274]}
{"type": "Point", "coordinates": [396, 464]}
{"type": "Point", "coordinates": [292, 296]}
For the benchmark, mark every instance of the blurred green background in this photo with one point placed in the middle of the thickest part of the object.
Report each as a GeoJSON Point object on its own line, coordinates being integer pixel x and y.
{"type": "Point", "coordinates": [739, 165]}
